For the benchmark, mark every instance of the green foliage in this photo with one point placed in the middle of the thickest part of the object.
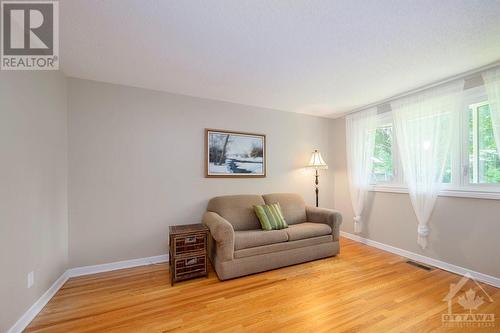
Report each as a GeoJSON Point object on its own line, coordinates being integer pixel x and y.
{"type": "Point", "coordinates": [447, 172]}
{"type": "Point", "coordinates": [489, 161]}
{"type": "Point", "coordinates": [382, 162]}
{"type": "Point", "coordinates": [493, 175]}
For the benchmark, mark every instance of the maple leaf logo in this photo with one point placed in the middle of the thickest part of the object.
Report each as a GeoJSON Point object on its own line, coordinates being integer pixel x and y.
{"type": "Point", "coordinates": [469, 301]}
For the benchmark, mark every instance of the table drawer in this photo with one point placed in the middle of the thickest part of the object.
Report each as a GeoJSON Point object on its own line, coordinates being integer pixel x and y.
{"type": "Point", "coordinates": [189, 243]}
{"type": "Point", "coordinates": [189, 265]}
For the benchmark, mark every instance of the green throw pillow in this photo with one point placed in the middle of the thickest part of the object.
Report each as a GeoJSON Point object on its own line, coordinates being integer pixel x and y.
{"type": "Point", "coordinates": [270, 217]}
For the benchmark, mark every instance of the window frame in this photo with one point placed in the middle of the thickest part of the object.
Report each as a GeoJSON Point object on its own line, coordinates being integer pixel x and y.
{"type": "Point", "coordinates": [460, 186]}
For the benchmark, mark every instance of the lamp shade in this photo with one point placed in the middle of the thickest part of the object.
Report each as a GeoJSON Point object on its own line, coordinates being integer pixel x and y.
{"type": "Point", "coordinates": [317, 161]}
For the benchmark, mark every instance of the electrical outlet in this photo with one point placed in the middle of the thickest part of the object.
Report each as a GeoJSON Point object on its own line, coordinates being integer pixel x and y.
{"type": "Point", "coordinates": [31, 279]}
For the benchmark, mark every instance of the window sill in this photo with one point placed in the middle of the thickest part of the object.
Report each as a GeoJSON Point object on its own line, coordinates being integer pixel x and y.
{"type": "Point", "coordinates": [460, 193]}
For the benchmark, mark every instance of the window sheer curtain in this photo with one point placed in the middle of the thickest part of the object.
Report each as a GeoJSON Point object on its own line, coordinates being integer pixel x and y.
{"type": "Point", "coordinates": [426, 126]}
{"type": "Point", "coordinates": [491, 80]}
{"type": "Point", "coordinates": [360, 142]}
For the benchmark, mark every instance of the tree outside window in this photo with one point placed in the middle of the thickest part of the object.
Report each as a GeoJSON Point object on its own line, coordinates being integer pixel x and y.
{"type": "Point", "coordinates": [484, 163]}
{"type": "Point", "coordinates": [382, 158]}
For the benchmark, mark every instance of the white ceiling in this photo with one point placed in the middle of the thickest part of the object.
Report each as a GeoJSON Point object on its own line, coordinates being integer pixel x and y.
{"type": "Point", "coordinates": [320, 57]}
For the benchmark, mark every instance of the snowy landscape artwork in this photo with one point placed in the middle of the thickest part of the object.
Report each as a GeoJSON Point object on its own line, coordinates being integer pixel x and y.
{"type": "Point", "coordinates": [235, 154]}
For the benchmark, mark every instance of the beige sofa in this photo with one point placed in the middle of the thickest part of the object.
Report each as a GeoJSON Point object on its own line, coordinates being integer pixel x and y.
{"type": "Point", "coordinates": [238, 246]}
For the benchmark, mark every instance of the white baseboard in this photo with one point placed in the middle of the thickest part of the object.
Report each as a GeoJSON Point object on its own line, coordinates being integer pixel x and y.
{"type": "Point", "coordinates": [29, 315]}
{"type": "Point", "coordinates": [491, 280]}
{"type": "Point", "coordinates": [86, 270]}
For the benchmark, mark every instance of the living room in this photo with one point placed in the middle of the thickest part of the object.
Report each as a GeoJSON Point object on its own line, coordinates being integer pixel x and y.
{"type": "Point", "coordinates": [243, 166]}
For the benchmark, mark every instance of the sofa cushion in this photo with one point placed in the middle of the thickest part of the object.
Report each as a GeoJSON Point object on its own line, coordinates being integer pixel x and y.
{"type": "Point", "coordinates": [270, 217]}
{"type": "Point", "coordinates": [292, 206]}
{"type": "Point", "coordinates": [237, 210]}
{"type": "Point", "coordinates": [307, 230]}
{"type": "Point", "coordinates": [265, 249]}
{"type": "Point", "coordinates": [252, 238]}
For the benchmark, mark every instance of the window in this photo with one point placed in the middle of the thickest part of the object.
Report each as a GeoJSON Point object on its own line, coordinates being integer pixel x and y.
{"type": "Point", "coordinates": [447, 172]}
{"type": "Point", "coordinates": [483, 161]}
{"type": "Point", "coordinates": [474, 168]}
{"type": "Point", "coordinates": [383, 170]}
{"type": "Point", "coordinates": [385, 162]}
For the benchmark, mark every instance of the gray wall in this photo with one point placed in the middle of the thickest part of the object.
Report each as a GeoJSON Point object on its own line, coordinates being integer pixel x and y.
{"type": "Point", "coordinates": [136, 165]}
{"type": "Point", "coordinates": [464, 231]}
{"type": "Point", "coordinates": [33, 191]}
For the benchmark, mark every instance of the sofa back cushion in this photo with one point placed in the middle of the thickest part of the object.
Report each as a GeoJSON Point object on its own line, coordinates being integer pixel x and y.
{"type": "Point", "coordinates": [292, 206]}
{"type": "Point", "coordinates": [237, 210]}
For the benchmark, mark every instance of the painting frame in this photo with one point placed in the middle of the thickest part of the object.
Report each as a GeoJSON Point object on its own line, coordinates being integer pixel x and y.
{"type": "Point", "coordinates": [211, 174]}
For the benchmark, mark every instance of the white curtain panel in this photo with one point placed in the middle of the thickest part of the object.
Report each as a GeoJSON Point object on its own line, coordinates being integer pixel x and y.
{"type": "Point", "coordinates": [491, 80]}
{"type": "Point", "coordinates": [426, 125]}
{"type": "Point", "coordinates": [360, 141]}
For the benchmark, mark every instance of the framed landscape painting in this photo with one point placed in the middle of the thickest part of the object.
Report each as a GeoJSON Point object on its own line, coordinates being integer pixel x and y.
{"type": "Point", "coordinates": [234, 154]}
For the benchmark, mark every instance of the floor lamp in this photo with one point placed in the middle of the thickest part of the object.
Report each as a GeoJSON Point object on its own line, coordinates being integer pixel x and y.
{"type": "Point", "coordinates": [317, 162]}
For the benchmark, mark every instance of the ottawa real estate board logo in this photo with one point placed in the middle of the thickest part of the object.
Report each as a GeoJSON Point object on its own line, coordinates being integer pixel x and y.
{"type": "Point", "coordinates": [30, 35]}
{"type": "Point", "coordinates": [470, 296]}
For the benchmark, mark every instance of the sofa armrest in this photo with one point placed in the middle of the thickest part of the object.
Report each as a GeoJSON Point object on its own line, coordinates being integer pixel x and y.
{"type": "Point", "coordinates": [328, 216]}
{"type": "Point", "coordinates": [223, 234]}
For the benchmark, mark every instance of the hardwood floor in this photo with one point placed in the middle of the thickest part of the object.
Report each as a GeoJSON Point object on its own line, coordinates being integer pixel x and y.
{"type": "Point", "coordinates": [361, 290]}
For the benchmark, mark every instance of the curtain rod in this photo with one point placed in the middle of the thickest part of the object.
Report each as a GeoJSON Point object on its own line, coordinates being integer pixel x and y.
{"type": "Point", "coordinates": [424, 87]}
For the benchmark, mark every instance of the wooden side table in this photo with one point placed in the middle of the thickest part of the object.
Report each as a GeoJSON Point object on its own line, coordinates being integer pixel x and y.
{"type": "Point", "coordinates": [188, 252]}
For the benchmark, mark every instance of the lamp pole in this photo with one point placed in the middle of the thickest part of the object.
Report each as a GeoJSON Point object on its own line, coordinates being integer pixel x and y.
{"type": "Point", "coordinates": [317, 187]}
